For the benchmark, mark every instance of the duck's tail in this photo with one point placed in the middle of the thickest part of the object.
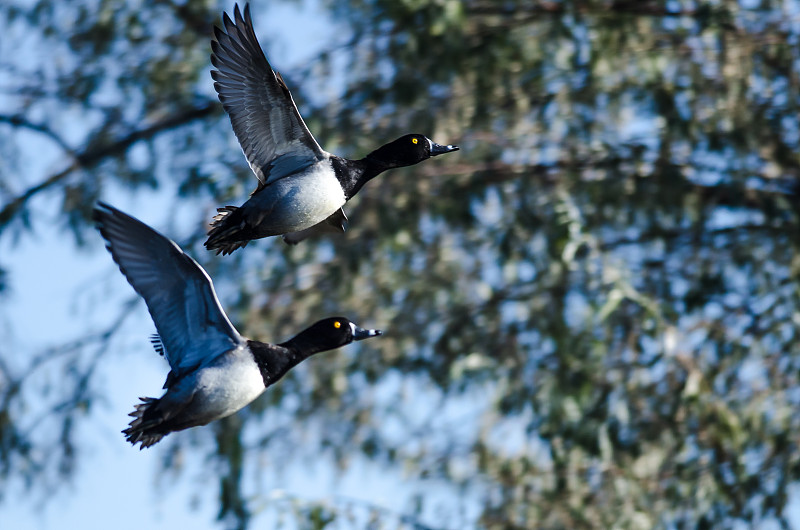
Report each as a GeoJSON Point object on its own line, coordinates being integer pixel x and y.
{"type": "Point", "coordinates": [224, 228]}
{"type": "Point", "coordinates": [143, 428]}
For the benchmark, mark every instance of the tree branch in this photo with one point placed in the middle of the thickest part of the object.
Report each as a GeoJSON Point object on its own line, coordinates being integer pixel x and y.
{"type": "Point", "coordinates": [19, 121]}
{"type": "Point", "coordinates": [633, 7]}
{"type": "Point", "coordinates": [95, 154]}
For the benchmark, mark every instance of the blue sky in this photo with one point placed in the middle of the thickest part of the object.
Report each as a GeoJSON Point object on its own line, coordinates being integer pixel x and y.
{"type": "Point", "coordinates": [60, 293]}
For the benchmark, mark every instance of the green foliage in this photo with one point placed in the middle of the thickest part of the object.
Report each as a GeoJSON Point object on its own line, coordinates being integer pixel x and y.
{"type": "Point", "coordinates": [591, 310]}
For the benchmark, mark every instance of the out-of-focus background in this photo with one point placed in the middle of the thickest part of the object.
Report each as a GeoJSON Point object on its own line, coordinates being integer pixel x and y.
{"type": "Point", "coordinates": [591, 310]}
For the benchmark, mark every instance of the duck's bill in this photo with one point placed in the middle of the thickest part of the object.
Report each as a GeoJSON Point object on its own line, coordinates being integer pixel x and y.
{"type": "Point", "coordinates": [437, 149]}
{"type": "Point", "coordinates": [361, 333]}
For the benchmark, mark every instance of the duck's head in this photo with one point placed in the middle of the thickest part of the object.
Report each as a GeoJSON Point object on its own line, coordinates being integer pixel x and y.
{"type": "Point", "coordinates": [409, 150]}
{"type": "Point", "coordinates": [329, 334]}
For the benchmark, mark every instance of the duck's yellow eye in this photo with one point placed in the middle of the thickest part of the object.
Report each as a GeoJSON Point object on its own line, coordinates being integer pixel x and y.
{"type": "Point", "coordinates": [414, 141]}
{"type": "Point", "coordinates": [337, 324]}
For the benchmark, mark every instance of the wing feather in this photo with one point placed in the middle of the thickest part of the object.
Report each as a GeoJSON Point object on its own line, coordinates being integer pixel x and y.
{"type": "Point", "coordinates": [263, 114]}
{"type": "Point", "coordinates": [179, 294]}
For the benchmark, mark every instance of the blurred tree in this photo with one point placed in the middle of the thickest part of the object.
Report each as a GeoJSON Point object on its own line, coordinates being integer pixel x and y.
{"type": "Point", "coordinates": [592, 309]}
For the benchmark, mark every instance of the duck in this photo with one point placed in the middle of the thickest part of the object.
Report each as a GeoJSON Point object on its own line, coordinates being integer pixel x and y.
{"type": "Point", "coordinates": [301, 187]}
{"type": "Point", "coordinates": [214, 371]}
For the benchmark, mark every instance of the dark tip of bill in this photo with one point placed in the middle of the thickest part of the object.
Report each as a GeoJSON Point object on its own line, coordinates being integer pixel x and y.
{"type": "Point", "coordinates": [442, 149]}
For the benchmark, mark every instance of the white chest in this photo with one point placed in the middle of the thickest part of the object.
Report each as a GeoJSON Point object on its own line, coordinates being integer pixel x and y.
{"type": "Point", "coordinates": [227, 386]}
{"type": "Point", "coordinates": [302, 200]}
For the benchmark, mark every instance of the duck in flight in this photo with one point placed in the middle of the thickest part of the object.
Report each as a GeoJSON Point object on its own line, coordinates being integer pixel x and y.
{"type": "Point", "coordinates": [214, 370]}
{"type": "Point", "coordinates": [301, 187]}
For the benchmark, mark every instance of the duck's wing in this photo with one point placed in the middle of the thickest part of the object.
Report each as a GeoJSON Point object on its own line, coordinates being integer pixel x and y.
{"type": "Point", "coordinates": [192, 327]}
{"type": "Point", "coordinates": [266, 121]}
{"type": "Point", "coordinates": [335, 224]}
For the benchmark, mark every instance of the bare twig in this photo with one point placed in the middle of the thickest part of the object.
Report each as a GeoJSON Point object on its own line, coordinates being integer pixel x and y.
{"type": "Point", "coordinates": [20, 121]}
{"type": "Point", "coordinates": [95, 154]}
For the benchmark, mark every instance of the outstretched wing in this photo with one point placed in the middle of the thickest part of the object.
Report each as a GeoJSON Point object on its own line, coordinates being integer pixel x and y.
{"type": "Point", "coordinates": [191, 324]}
{"type": "Point", "coordinates": [271, 131]}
